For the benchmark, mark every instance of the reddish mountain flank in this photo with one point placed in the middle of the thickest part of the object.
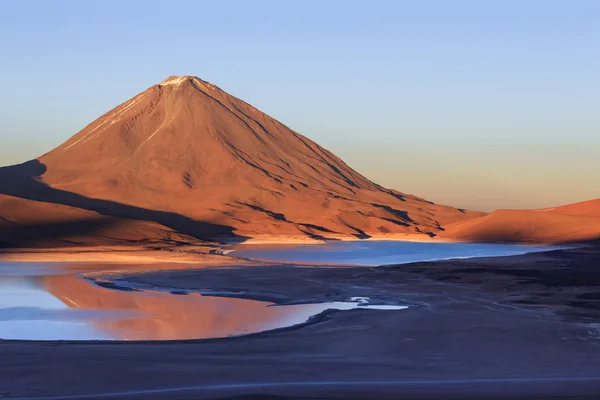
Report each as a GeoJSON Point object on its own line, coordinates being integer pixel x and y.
{"type": "Point", "coordinates": [184, 161]}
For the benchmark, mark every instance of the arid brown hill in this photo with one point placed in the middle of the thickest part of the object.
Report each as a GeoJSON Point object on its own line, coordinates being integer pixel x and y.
{"type": "Point", "coordinates": [185, 161]}
{"type": "Point", "coordinates": [570, 223]}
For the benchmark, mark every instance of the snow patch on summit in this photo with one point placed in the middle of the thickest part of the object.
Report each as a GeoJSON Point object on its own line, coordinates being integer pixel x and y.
{"type": "Point", "coordinates": [178, 80]}
{"type": "Point", "coordinates": [174, 80]}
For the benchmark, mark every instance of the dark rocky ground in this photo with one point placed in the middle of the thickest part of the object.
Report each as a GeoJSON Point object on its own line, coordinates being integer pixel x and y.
{"type": "Point", "coordinates": [509, 327]}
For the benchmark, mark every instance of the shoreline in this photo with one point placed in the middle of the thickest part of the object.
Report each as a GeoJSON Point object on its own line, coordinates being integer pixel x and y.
{"type": "Point", "coordinates": [120, 254]}
{"type": "Point", "coordinates": [527, 303]}
{"type": "Point", "coordinates": [187, 254]}
{"type": "Point", "coordinates": [191, 254]}
{"type": "Point", "coordinates": [422, 238]}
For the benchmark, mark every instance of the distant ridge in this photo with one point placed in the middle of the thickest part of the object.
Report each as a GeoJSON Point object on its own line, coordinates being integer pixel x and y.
{"type": "Point", "coordinates": [569, 223]}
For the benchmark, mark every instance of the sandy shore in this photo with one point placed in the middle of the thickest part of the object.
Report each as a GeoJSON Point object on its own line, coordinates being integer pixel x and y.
{"type": "Point", "coordinates": [508, 327]}
{"type": "Point", "coordinates": [190, 254]}
{"type": "Point", "coordinates": [122, 254]}
{"type": "Point", "coordinates": [307, 240]}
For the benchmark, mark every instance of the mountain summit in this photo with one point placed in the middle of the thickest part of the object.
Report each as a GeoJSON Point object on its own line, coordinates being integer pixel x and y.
{"type": "Point", "coordinates": [184, 150]}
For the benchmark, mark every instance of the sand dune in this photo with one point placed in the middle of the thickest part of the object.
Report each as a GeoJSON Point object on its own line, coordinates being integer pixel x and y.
{"type": "Point", "coordinates": [590, 208]}
{"type": "Point", "coordinates": [568, 223]}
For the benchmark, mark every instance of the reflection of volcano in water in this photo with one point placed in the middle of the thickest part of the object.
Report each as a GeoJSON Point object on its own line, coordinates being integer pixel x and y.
{"type": "Point", "coordinates": [165, 316]}
{"type": "Point", "coordinates": [28, 311]}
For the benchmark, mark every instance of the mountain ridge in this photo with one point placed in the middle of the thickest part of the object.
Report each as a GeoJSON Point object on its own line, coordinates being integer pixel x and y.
{"type": "Point", "coordinates": [188, 148]}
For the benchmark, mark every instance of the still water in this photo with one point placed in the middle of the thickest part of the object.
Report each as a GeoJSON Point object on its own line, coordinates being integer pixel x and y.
{"type": "Point", "coordinates": [52, 302]}
{"type": "Point", "coordinates": [375, 253]}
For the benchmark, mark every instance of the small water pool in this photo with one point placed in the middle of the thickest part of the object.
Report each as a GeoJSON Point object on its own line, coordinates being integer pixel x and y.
{"type": "Point", "coordinates": [51, 302]}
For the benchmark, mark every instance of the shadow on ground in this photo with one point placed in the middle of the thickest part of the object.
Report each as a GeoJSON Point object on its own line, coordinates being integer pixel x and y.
{"type": "Point", "coordinates": [24, 181]}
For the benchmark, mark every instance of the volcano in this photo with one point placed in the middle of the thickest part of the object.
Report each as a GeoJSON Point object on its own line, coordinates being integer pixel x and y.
{"type": "Point", "coordinates": [184, 161]}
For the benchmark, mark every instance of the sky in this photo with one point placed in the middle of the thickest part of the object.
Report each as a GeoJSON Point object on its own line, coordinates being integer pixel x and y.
{"type": "Point", "coordinates": [476, 104]}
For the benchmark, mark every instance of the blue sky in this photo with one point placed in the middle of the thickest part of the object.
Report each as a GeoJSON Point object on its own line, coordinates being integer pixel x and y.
{"type": "Point", "coordinates": [478, 104]}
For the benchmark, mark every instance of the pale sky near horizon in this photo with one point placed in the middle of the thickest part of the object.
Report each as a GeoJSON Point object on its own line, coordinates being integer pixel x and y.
{"type": "Point", "coordinates": [475, 104]}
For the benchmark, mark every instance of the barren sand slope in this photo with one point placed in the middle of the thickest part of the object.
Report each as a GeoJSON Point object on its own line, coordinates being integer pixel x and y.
{"type": "Point", "coordinates": [569, 223]}
{"type": "Point", "coordinates": [185, 157]}
{"type": "Point", "coordinates": [590, 208]}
